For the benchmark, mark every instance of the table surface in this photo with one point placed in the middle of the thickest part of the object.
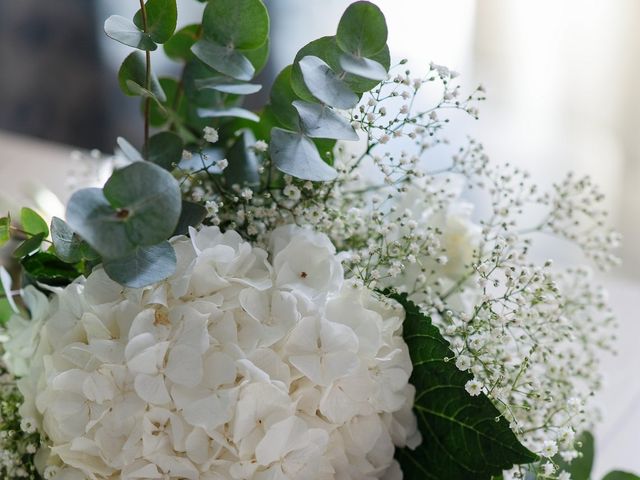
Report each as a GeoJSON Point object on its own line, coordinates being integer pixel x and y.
{"type": "Point", "coordinates": [27, 166]}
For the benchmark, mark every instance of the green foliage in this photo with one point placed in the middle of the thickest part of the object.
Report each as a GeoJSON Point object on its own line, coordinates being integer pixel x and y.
{"type": "Point", "coordinates": [7, 304]}
{"type": "Point", "coordinates": [143, 265]}
{"type": "Point", "coordinates": [282, 98]}
{"type": "Point", "coordinates": [162, 16]}
{"type": "Point", "coordinates": [320, 121]}
{"type": "Point", "coordinates": [228, 85]}
{"type": "Point", "coordinates": [132, 73]}
{"type": "Point", "coordinates": [5, 230]}
{"type": "Point", "coordinates": [125, 31]}
{"type": "Point", "coordinates": [236, 24]}
{"type": "Point", "coordinates": [243, 162]}
{"type": "Point", "coordinates": [191, 215]}
{"type": "Point", "coordinates": [47, 268]}
{"type": "Point", "coordinates": [165, 150]}
{"type": "Point", "coordinates": [464, 437]}
{"type": "Point", "coordinates": [580, 468]}
{"type": "Point", "coordinates": [619, 475]}
{"type": "Point", "coordinates": [363, 67]}
{"type": "Point", "coordinates": [68, 245]}
{"type": "Point", "coordinates": [32, 223]}
{"type": "Point", "coordinates": [139, 206]}
{"type": "Point", "coordinates": [178, 47]}
{"type": "Point", "coordinates": [29, 246]}
{"type": "Point", "coordinates": [362, 30]}
{"type": "Point", "coordinates": [295, 154]}
{"type": "Point", "coordinates": [324, 84]}
{"type": "Point", "coordinates": [224, 60]}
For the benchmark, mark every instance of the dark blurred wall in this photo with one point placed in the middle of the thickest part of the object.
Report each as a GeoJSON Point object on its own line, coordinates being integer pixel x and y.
{"type": "Point", "coordinates": [50, 73]}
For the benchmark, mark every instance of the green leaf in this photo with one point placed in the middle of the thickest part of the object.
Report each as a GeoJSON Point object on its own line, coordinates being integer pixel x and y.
{"type": "Point", "coordinates": [133, 69]}
{"type": "Point", "coordinates": [143, 266]}
{"type": "Point", "coordinates": [362, 30]}
{"type": "Point", "coordinates": [125, 31]}
{"type": "Point", "coordinates": [237, 23]}
{"type": "Point", "coordinates": [140, 206]}
{"type": "Point", "coordinates": [227, 85]}
{"type": "Point", "coordinates": [363, 67]}
{"type": "Point", "coordinates": [191, 215]}
{"type": "Point", "coordinates": [5, 289]}
{"type": "Point", "coordinates": [580, 467]}
{"type": "Point", "coordinates": [619, 475]}
{"type": "Point", "coordinates": [172, 108]}
{"type": "Point", "coordinates": [48, 269]}
{"type": "Point", "coordinates": [295, 154]}
{"type": "Point", "coordinates": [5, 230]}
{"type": "Point", "coordinates": [464, 437]}
{"type": "Point", "coordinates": [68, 245]}
{"type": "Point", "coordinates": [243, 162]}
{"type": "Point", "coordinates": [162, 16]}
{"type": "Point", "coordinates": [223, 59]}
{"type": "Point", "coordinates": [178, 47]}
{"type": "Point", "coordinates": [165, 150]}
{"type": "Point", "coordinates": [228, 112]}
{"type": "Point", "coordinates": [320, 121]}
{"type": "Point", "coordinates": [257, 56]}
{"type": "Point", "coordinates": [324, 84]}
{"type": "Point", "coordinates": [29, 246]}
{"type": "Point", "coordinates": [32, 223]}
{"type": "Point", "coordinates": [129, 150]}
{"type": "Point", "coordinates": [282, 98]}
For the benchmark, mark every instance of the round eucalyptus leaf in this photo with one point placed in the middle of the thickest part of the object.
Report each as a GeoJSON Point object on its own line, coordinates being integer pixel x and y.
{"type": "Point", "coordinates": [228, 85]}
{"type": "Point", "coordinates": [620, 475]}
{"type": "Point", "coordinates": [191, 215]}
{"type": "Point", "coordinates": [68, 245]}
{"type": "Point", "coordinates": [320, 121]}
{"type": "Point", "coordinates": [295, 154]}
{"type": "Point", "coordinates": [133, 69]}
{"type": "Point", "coordinates": [325, 85]}
{"type": "Point", "coordinates": [362, 30]}
{"type": "Point", "coordinates": [360, 84]}
{"type": "Point", "coordinates": [162, 16]}
{"type": "Point", "coordinates": [129, 150]}
{"type": "Point", "coordinates": [224, 59]}
{"type": "Point", "coordinates": [243, 162]}
{"type": "Point", "coordinates": [236, 23]}
{"type": "Point", "coordinates": [143, 266]}
{"type": "Point", "coordinates": [178, 47]}
{"type": "Point", "coordinates": [282, 98]}
{"type": "Point", "coordinates": [363, 67]}
{"type": "Point", "coordinates": [29, 246]}
{"type": "Point", "coordinates": [257, 56]}
{"type": "Point", "coordinates": [123, 30]}
{"type": "Point", "coordinates": [165, 150]}
{"type": "Point", "coordinates": [228, 112]}
{"type": "Point", "coordinates": [32, 223]}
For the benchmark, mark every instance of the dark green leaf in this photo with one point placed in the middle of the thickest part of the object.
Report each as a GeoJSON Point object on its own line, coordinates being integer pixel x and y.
{"type": "Point", "coordinates": [5, 230]}
{"type": "Point", "coordinates": [178, 47]}
{"type": "Point", "coordinates": [228, 85]}
{"type": "Point", "coordinates": [165, 150]}
{"type": "Point", "coordinates": [143, 266]}
{"type": "Point", "coordinates": [133, 69]}
{"type": "Point", "coordinates": [68, 245]}
{"type": "Point", "coordinates": [282, 98]}
{"type": "Point", "coordinates": [140, 206]}
{"type": "Point", "coordinates": [320, 121]}
{"type": "Point", "coordinates": [236, 23]}
{"type": "Point", "coordinates": [296, 155]}
{"type": "Point", "coordinates": [139, 91]}
{"type": "Point", "coordinates": [363, 67]}
{"type": "Point", "coordinates": [129, 150]}
{"type": "Point", "coordinates": [461, 438]}
{"type": "Point", "coordinates": [580, 467]}
{"type": "Point", "coordinates": [224, 59]}
{"type": "Point", "coordinates": [324, 84]}
{"type": "Point", "coordinates": [228, 112]}
{"type": "Point", "coordinates": [362, 30]}
{"type": "Point", "coordinates": [257, 56]}
{"type": "Point", "coordinates": [619, 475]}
{"type": "Point", "coordinates": [125, 31]}
{"type": "Point", "coordinates": [192, 215]}
{"type": "Point", "coordinates": [174, 107]}
{"type": "Point", "coordinates": [32, 223]}
{"type": "Point", "coordinates": [162, 16]}
{"type": "Point", "coordinates": [29, 246]}
{"type": "Point", "coordinates": [48, 269]}
{"type": "Point", "coordinates": [243, 162]}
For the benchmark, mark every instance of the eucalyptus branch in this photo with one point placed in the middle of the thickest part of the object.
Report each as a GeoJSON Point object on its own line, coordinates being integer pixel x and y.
{"type": "Point", "coordinates": [147, 80]}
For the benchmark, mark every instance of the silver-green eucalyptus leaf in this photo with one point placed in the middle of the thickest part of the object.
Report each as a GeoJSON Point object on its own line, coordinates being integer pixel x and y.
{"type": "Point", "coordinates": [143, 266]}
{"type": "Point", "coordinates": [320, 121]}
{"type": "Point", "coordinates": [227, 85]}
{"type": "Point", "coordinates": [296, 155]}
{"type": "Point", "coordinates": [125, 31]}
{"type": "Point", "coordinates": [243, 162]}
{"type": "Point", "coordinates": [225, 60]}
{"type": "Point", "coordinates": [236, 112]}
{"type": "Point", "coordinates": [129, 150]}
{"type": "Point", "coordinates": [362, 67]}
{"type": "Point", "coordinates": [325, 85]}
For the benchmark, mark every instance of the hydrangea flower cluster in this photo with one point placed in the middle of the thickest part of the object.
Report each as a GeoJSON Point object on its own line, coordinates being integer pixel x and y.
{"type": "Point", "coordinates": [239, 366]}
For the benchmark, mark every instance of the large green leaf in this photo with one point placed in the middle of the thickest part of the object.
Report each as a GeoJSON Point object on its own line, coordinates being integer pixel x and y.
{"type": "Point", "coordinates": [363, 67]}
{"type": "Point", "coordinates": [320, 121]}
{"type": "Point", "coordinates": [68, 245]}
{"type": "Point", "coordinates": [224, 59]}
{"type": "Point", "coordinates": [165, 149]}
{"type": "Point", "coordinates": [362, 30]}
{"type": "Point", "coordinates": [257, 56]}
{"type": "Point", "coordinates": [282, 98]}
{"type": "Point", "coordinates": [133, 69]}
{"type": "Point", "coordinates": [325, 85]}
{"type": "Point", "coordinates": [143, 266]}
{"type": "Point", "coordinates": [295, 154]}
{"type": "Point", "coordinates": [32, 223]}
{"type": "Point", "coordinates": [140, 206]}
{"type": "Point", "coordinates": [464, 437]}
{"type": "Point", "coordinates": [580, 467]}
{"type": "Point", "coordinates": [619, 475]}
{"type": "Point", "coordinates": [29, 246]}
{"type": "Point", "coordinates": [162, 16]}
{"type": "Point", "coordinates": [178, 47]}
{"type": "Point", "coordinates": [236, 23]}
{"type": "Point", "coordinates": [48, 269]}
{"type": "Point", "coordinates": [125, 31]}
{"type": "Point", "coordinates": [192, 215]}
{"type": "Point", "coordinates": [243, 162]}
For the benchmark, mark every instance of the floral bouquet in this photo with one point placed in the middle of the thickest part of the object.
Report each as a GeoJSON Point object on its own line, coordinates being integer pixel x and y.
{"type": "Point", "coordinates": [294, 292]}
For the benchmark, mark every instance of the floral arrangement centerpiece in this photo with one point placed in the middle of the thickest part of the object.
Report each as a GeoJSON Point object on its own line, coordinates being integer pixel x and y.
{"type": "Point", "coordinates": [282, 294]}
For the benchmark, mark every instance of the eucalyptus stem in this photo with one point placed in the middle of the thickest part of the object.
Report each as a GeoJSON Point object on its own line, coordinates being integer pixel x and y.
{"type": "Point", "coordinates": [147, 81]}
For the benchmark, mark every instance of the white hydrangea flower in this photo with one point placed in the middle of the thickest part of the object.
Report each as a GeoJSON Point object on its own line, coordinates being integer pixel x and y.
{"type": "Point", "coordinates": [236, 367]}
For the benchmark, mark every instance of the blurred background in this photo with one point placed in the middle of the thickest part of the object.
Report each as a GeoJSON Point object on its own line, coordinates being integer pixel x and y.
{"type": "Point", "coordinates": [561, 79]}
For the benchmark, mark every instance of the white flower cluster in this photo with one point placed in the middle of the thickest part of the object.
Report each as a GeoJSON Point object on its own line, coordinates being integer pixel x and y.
{"type": "Point", "coordinates": [234, 368]}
